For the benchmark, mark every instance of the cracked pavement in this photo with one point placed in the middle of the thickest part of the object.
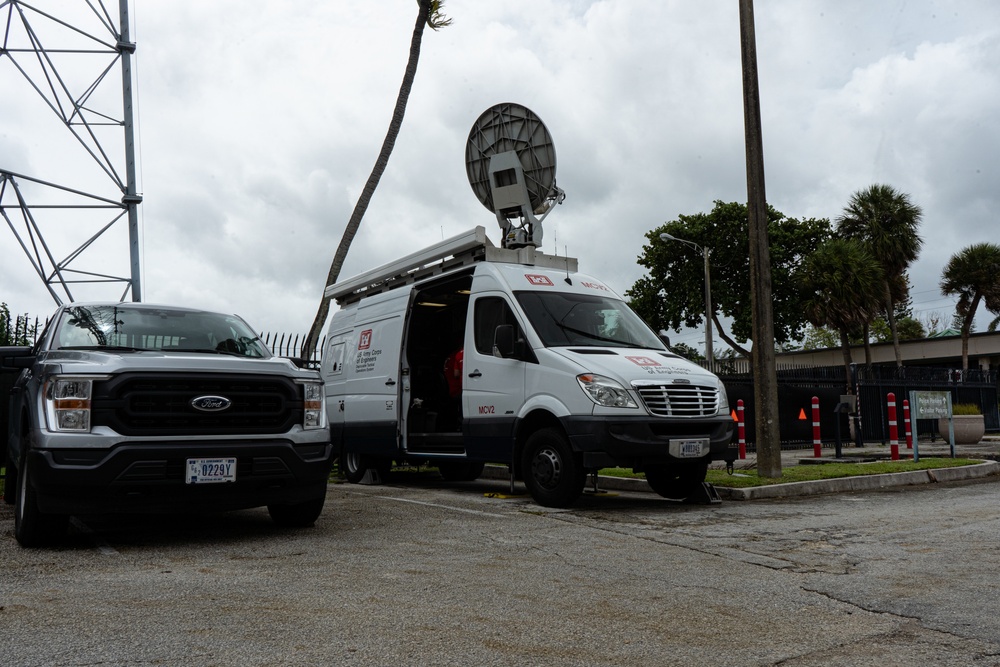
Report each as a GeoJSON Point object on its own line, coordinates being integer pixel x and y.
{"type": "Point", "coordinates": [429, 573]}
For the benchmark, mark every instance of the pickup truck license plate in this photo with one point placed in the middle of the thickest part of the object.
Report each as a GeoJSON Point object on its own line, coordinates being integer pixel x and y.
{"type": "Point", "coordinates": [208, 471]}
{"type": "Point", "coordinates": [689, 449]}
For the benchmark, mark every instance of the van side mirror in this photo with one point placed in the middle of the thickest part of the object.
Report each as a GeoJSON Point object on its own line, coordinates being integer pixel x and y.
{"type": "Point", "coordinates": [664, 338]}
{"type": "Point", "coordinates": [503, 341]}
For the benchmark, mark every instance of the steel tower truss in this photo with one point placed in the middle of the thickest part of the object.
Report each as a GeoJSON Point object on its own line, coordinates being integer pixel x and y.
{"type": "Point", "coordinates": [80, 65]}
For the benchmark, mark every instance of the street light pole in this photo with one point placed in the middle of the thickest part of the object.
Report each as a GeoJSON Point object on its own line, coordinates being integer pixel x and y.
{"type": "Point", "coordinates": [709, 355]}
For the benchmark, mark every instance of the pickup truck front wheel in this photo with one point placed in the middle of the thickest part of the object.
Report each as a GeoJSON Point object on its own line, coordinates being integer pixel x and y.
{"type": "Point", "coordinates": [32, 528]}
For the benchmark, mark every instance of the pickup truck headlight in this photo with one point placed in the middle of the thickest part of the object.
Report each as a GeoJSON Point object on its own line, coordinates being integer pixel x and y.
{"type": "Point", "coordinates": [314, 405]}
{"type": "Point", "coordinates": [605, 391]}
{"type": "Point", "coordinates": [67, 403]}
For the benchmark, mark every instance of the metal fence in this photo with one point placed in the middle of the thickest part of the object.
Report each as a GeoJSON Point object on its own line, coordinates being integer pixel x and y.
{"type": "Point", "coordinates": [871, 385]}
{"type": "Point", "coordinates": [290, 345]}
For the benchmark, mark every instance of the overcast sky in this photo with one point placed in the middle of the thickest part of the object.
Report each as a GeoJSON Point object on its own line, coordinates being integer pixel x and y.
{"type": "Point", "coordinates": [258, 123]}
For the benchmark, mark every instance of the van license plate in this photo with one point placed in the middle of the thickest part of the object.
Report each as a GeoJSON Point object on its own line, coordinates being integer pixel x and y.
{"type": "Point", "coordinates": [689, 449]}
{"type": "Point", "coordinates": [208, 471]}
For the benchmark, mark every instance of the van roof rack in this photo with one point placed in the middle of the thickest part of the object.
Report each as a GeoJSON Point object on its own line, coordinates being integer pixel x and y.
{"type": "Point", "coordinates": [462, 250]}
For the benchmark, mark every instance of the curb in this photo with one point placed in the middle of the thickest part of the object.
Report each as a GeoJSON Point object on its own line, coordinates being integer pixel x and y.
{"type": "Point", "coordinates": [857, 483]}
{"type": "Point", "coordinates": [861, 483]}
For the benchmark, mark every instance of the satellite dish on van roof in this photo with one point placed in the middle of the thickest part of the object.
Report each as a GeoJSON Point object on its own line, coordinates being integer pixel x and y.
{"type": "Point", "coordinates": [511, 163]}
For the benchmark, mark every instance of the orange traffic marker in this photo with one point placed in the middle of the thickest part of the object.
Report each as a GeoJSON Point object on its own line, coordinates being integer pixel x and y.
{"type": "Point", "coordinates": [802, 414]}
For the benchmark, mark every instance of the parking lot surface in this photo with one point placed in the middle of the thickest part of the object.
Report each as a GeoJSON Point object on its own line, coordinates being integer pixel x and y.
{"type": "Point", "coordinates": [429, 573]}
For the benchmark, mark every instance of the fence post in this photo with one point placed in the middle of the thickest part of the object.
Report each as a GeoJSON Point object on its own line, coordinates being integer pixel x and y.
{"type": "Point", "coordinates": [906, 424]}
{"type": "Point", "coordinates": [893, 428]}
{"type": "Point", "coordinates": [741, 429]}
{"type": "Point", "coordinates": [817, 443]}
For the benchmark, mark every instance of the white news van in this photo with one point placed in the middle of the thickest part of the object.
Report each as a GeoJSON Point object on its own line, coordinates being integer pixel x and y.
{"type": "Point", "coordinates": [560, 377]}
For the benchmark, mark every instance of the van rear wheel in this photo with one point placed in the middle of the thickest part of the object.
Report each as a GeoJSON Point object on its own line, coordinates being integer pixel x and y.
{"type": "Point", "coordinates": [355, 466]}
{"type": "Point", "coordinates": [555, 477]}
{"type": "Point", "coordinates": [461, 471]}
{"type": "Point", "coordinates": [676, 481]}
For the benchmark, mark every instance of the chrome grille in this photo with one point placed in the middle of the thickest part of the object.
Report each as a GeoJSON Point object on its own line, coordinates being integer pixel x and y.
{"type": "Point", "coordinates": [679, 400]}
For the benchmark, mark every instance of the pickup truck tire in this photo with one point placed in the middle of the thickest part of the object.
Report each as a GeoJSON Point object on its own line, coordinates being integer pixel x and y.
{"type": "Point", "coordinates": [676, 481]}
{"type": "Point", "coordinates": [354, 466]}
{"type": "Point", "coordinates": [297, 515]}
{"type": "Point", "coordinates": [32, 528]}
{"type": "Point", "coordinates": [461, 471]}
{"type": "Point", "coordinates": [555, 477]}
{"type": "Point", "coordinates": [9, 482]}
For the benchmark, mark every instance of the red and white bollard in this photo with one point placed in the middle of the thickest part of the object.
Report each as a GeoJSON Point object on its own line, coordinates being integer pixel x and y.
{"type": "Point", "coordinates": [893, 428]}
{"type": "Point", "coordinates": [817, 443]}
{"type": "Point", "coordinates": [741, 429]}
{"type": "Point", "coordinates": [906, 424]}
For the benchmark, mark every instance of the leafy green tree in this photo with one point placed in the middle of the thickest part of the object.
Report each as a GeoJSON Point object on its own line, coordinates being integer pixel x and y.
{"type": "Point", "coordinates": [886, 221]}
{"type": "Point", "coordinates": [841, 287]}
{"type": "Point", "coordinates": [973, 274]}
{"type": "Point", "coordinates": [671, 295]}
{"type": "Point", "coordinates": [16, 330]}
{"type": "Point", "coordinates": [429, 14]}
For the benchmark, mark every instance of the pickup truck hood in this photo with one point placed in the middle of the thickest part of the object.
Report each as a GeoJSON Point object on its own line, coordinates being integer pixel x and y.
{"type": "Point", "coordinates": [635, 365]}
{"type": "Point", "coordinates": [98, 362]}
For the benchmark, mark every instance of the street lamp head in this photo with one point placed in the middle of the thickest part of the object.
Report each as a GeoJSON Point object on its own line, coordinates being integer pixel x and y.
{"type": "Point", "coordinates": [667, 237]}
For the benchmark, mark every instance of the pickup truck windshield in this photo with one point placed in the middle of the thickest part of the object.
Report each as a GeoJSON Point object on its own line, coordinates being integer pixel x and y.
{"type": "Point", "coordinates": [562, 319]}
{"type": "Point", "coordinates": [123, 328]}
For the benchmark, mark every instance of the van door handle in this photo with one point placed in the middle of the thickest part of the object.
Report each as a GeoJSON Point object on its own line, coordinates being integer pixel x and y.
{"type": "Point", "coordinates": [475, 374]}
{"type": "Point", "coordinates": [390, 382]}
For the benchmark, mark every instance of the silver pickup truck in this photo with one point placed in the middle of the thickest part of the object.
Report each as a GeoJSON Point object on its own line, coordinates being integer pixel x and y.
{"type": "Point", "coordinates": [130, 407]}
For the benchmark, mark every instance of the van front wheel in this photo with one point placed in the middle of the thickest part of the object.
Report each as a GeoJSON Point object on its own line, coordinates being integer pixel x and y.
{"type": "Point", "coordinates": [555, 477]}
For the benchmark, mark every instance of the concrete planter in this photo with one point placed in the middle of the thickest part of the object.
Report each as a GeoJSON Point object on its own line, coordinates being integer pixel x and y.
{"type": "Point", "coordinates": [969, 429]}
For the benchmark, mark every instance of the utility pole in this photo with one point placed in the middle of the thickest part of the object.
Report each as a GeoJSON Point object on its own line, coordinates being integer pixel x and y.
{"type": "Point", "coordinates": [765, 387]}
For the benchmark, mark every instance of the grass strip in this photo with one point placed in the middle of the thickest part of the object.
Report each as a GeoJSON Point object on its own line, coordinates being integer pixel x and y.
{"type": "Point", "coordinates": [806, 473]}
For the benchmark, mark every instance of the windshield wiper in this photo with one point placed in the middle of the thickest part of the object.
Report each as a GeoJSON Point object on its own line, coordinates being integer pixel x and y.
{"type": "Point", "coordinates": [105, 348]}
{"type": "Point", "coordinates": [617, 343]}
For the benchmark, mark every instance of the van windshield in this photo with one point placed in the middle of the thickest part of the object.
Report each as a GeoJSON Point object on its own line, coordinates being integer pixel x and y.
{"type": "Point", "coordinates": [122, 327]}
{"type": "Point", "coordinates": [561, 319]}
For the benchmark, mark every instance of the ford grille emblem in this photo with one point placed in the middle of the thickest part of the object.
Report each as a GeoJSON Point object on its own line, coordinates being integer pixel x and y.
{"type": "Point", "coordinates": [210, 403]}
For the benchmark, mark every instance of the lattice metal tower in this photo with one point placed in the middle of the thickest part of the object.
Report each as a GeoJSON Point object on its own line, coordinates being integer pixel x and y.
{"type": "Point", "coordinates": [77, 59]}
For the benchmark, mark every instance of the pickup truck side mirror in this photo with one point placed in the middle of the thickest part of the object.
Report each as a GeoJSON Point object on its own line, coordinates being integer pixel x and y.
{"type": "Point", "coordinates": [16, 356]}
{"type": "Point", "coordinates": [503, 341]}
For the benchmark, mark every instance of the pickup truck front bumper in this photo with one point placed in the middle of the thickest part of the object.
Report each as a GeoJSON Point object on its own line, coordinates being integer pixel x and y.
{"type": "Point", "coordinates": [150, 476]}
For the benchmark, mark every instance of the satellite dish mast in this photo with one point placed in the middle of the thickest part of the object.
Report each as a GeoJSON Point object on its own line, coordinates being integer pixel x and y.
{"type": "Point", "coordinates": [511, 163]}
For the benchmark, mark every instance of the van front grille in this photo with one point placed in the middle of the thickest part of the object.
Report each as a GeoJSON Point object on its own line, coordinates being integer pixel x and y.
{"type": "Point", "coordinates": [679, 400]}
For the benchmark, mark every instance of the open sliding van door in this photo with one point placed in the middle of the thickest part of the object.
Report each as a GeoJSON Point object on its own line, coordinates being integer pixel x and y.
{"type": "Point", "coordinates": [372, 389]}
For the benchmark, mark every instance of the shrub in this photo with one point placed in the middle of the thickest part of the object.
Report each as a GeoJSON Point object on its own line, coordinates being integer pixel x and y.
{"type": "Point", "coordinates": [965, 409]}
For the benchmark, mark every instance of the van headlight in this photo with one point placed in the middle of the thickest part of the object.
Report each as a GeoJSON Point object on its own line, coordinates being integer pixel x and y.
{"type": "Point", "coordinates": [313, 405]}
{"type": "Point", "coordinates": [68, 403]}
{"type": "Point", "coordinates": [605, 391]}
{"type": "Point", "coordinates": [723, 400]}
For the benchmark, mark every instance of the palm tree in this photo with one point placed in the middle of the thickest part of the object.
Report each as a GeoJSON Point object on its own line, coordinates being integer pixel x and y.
{"type": "Point", "coordinates": [973, 274]}
{"type": "Point", "coordinates": [429, 14]}
{"type": "Point", "coordinates": [841, 289]}
{"type": "Point", "coordinates": [885, 220]}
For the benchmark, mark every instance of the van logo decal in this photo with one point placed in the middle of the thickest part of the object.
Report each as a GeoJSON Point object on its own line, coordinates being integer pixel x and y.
{"type": "Point", "coordinates": [365, 341]}
{"type": "Point", "coordinates": [210, 403]}
{"type": "Point", "coordinates": [643, 361]}
{"type": "Point", "coordinates": [536, 279]}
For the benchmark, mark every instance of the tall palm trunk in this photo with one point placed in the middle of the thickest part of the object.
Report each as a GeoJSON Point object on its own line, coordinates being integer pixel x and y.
{"type": "Point", "coordinates": [309, 345]}
{"type": "Point", "coordinates": [890, 312]}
